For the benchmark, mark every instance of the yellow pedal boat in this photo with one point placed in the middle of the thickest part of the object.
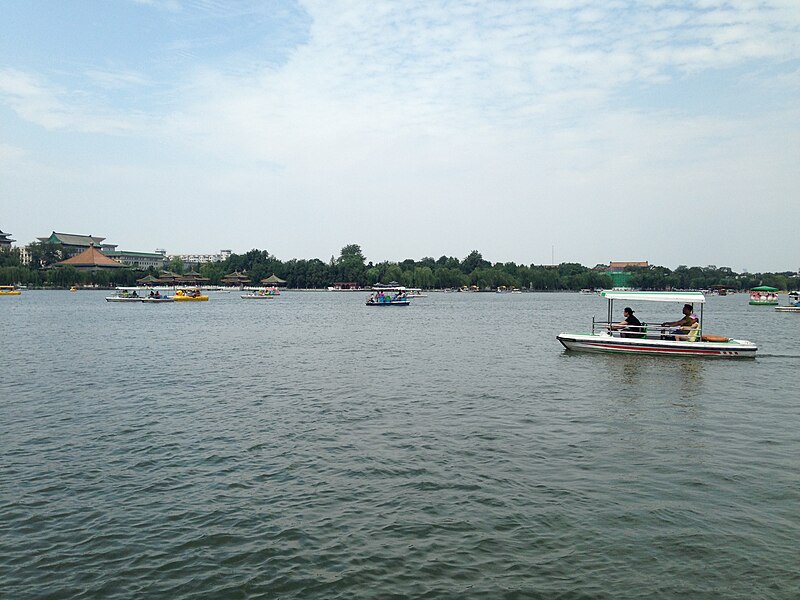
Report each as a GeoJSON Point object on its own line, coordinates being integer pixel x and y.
{"type": "Point", "coordinates": [9, 290]}
{"type": "Point", "coordinates": [189, 296]}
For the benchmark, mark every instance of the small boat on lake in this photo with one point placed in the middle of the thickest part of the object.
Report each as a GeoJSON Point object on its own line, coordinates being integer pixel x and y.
{"type": "Point", "coordinates": [794, 303]}
{"type": "Point", "coordinates": [125, 295]}
{"type": "Point", "coordinates": [189, 295]}
{"type": "Point", "coordinates": [157, 299]}
{"type": "Point", "coordinates": [9, 290]}
{"type": "Point", "coordinates": [764, 295]}
{"type": "Point", "coordinates": [261, 294]}
{"type": "Point", "coordinates": [383, 295]}
{"type": "Point", "coordinates": [658, 340]}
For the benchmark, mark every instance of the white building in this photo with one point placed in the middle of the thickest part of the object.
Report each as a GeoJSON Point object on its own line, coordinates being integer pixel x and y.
{"type": "Point", "coordinates": [222, 256]}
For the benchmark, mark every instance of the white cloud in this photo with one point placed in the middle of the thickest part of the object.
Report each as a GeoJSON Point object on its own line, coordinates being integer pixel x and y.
{"type": "Point", "coordinates": [56, 108]}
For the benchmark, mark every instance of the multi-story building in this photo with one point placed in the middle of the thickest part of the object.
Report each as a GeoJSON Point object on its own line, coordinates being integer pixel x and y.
{"type": "Point", "coordinates": [139, 260]}
{"type": "Point", "coordinates": [71, 244]}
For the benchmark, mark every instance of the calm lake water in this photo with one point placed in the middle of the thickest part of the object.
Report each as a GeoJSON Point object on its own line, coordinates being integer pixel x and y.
{"type": "Point", "coordinates": [313, 447]}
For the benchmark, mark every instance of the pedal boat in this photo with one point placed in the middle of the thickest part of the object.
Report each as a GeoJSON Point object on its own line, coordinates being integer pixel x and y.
{"type": "Point", "coordinates": [189, 296]}
{"type": "Point", "coordinates": [764, 295]}
{"type": "Point", "coordinates": [9, 290]}
{"type": "Point", "coordinates": [655, 340]}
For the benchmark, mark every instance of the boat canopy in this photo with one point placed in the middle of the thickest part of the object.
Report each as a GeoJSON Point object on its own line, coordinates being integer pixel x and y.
{"type": "Point", "coordinates": [763, 288]}
{"type": "Point", "coordinates": [685, 297]}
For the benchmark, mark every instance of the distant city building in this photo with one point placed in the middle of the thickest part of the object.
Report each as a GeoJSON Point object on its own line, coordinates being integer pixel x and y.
{"type": "Point", "coordinates": [222, 256]}
{"type": "Point", "coordinates": [71, 244]}
{"type": "Point", "coordinates": [140, 260]}
{"type": "Point", "coordinates": [5, 240]}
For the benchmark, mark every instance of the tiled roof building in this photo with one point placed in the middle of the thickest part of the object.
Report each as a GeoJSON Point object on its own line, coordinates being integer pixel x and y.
{"type": "Point", "coordinates": [90, 259]}
{"type": "Point", "coordinates": [5, 241]}
{"type": "Point", "coordinates": [72, 244]}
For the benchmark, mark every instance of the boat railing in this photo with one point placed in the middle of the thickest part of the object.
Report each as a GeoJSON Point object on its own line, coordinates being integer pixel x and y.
{"type": "Point", "coordinates": [647, 331]}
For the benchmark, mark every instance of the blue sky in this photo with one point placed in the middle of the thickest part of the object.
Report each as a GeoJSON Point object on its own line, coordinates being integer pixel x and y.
{"type": "Point", "coordinates": [587, 131]}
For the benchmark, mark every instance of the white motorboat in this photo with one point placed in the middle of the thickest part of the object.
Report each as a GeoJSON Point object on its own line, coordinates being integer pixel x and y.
{"type": "Point", "coordinates": [655, 339]}
{"type": "Point", "coordinates": [125, 295]}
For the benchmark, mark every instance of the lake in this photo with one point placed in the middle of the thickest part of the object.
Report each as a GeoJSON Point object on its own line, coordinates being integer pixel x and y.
{"type": "Point", "coordinates": [312, 447]}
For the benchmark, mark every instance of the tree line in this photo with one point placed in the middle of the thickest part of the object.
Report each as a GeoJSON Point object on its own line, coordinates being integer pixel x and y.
{"type": "Point", "coordinates": [351, 266]}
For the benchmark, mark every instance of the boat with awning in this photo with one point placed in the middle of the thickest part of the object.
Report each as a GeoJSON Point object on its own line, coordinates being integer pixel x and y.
{"type": "Point", "coordinates": [658, 339]}
{"type": "Point", "coordinates": [764, 295]}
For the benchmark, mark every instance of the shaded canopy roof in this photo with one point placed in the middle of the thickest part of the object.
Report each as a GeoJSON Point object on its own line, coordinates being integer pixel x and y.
{"type": "Point", "coordinates": [632, 295]}
{"type": "Point", "coordinates": [91, 258]}
{"type": "Point", "coordinates": [763, 288]}
{"type": "Point", "coordinates": [148, 279]}
{"type": "Point", "coordinates": [273, 279]}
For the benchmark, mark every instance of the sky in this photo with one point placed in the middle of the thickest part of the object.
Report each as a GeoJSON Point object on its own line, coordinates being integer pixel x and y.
{"type": "Point", "coordinates": [535, 132]}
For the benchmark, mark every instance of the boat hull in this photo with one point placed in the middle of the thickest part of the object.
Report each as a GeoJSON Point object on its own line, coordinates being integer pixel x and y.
{"type": "Point", "coordinates": [115, 299]}
{"type": "Point", "coordinates": [392, 303]}
{"type": "Point", "coordinates": [157, 300]}
{"type": "Point", "coordinates": [190, 298]}
{"type": "Point", "coordinates": [787, 308]}
{"type": "Point", "coordinates": [763, 302]}
{"type": "Point", "coordinates": [10, 293]}
{"type": "Point", "coordinates": [651, 347]}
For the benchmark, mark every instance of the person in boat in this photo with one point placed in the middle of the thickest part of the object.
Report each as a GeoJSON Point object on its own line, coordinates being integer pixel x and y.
{"type": "Point", "coordinates": [157, 295]}
{"type": "Point", "coordinates": [690, 333]}
{"type": "Point", "coordinates": [630, 326]}
{"type": "Point", "coordinates": [684, 324]}
{"type": "Point", "coordinates": [134, 295]}
{"type": "Point", "coordinates": [685, 321]}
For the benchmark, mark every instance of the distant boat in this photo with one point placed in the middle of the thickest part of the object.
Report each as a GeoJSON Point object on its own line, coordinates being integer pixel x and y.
{"type": "Point", "coordinates": [764, 295]}
{"type": "Point", "coordinates": [261, 294]}
{"type": "Point", "coordinates": [159, 300]}
{"type": "Point", "coordinates": [388, 295]}
{"type": "Point", "coordinates": [124, 295]}
{"type": "Point", "coordinates": [192, 295]}
{"type": "Point", "coordinates": [9, 290]}
{"type": "Point", "coordinates": [794, 303]}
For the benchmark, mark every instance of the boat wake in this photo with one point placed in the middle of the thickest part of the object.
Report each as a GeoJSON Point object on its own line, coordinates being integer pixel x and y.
{"type": "Point", "coordinates": [791, 356]}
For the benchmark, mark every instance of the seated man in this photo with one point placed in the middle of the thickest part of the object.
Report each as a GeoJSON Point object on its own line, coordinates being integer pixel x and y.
{"type": "Point", "coordinates": [684, 323]}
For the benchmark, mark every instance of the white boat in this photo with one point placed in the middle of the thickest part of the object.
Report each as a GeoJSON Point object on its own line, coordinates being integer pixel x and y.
{"type": "Point", "coordinates": [157, 300]}
{"type": "Point", "coordinates": [794, 303]}
{"type": "Point", "coordinates": [125, 295]}
{"type": "Point", "coordinates": [388, 295]}
{"type": "Point", "coordinates": [655, 339]}
{"type": "Point", "coordinates": [261, 294]}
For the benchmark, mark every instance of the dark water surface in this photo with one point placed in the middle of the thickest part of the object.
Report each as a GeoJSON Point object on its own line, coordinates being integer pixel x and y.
{"type": "Point", "coordinates": [312, 447]}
